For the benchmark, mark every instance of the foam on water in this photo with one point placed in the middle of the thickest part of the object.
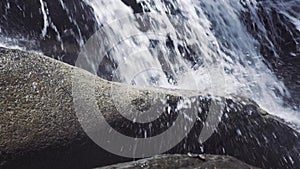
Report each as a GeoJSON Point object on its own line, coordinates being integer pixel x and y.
{"type": "Point", "coordinates": [15, 43]}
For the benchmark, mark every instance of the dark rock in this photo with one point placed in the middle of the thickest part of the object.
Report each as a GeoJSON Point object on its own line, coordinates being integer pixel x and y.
{"type": "Point", "coordinates": [184, 162]}
{"type": "Point", "coordinates": [69, 23]}
{"type": "Point", "coordinates": [279, 40]}
{"type": "Point", "coordinates": [136, 7]}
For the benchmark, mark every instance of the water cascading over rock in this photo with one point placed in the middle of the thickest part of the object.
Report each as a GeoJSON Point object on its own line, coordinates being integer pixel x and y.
{"type": "Point", "coordinates": [228, 49]}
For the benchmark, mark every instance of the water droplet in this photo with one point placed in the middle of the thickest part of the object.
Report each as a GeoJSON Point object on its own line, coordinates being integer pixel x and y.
{"type": "Point", "coordinates": [34, 85]}
{"type": "Point", "coordinates": [238, 131]}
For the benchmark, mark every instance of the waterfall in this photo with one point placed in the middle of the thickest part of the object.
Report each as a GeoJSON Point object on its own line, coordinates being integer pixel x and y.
{"type": "Point", "coordinates": [177, 44]}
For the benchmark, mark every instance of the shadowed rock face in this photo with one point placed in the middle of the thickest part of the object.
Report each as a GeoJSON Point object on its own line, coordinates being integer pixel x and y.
{"type": "Point", "coordinates": [136, 7]}
{"type": "Point", "coordinates": [40, 129]}
{"type": "Point", "coordinates": [184, 162]}
{"type": "Point", "coordinates": [70, 24]}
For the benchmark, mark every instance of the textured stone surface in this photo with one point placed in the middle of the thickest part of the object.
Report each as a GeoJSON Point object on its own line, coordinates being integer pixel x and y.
{"type": "Point", "coordinates": [40, 129]}
{"type": "Point", "coordinates": [184, 162]}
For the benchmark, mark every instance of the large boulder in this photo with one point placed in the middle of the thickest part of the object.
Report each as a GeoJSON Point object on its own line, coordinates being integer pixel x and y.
{"type": "Point", "coordinates": [40, 127]}
{"type": "Point", "coordinates": [184, 162]}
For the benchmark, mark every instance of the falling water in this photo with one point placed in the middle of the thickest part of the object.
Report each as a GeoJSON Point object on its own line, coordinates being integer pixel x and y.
{"type": "Point", "coordinates": [180, 43]}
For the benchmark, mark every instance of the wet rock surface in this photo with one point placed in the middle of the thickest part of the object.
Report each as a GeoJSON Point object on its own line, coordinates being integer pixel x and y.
{"type": "Point", "coordinates": [185, 161]}
{"type": "Point", "coordinates": [40, 129]}
{"type": "Point", "coordinates": [56, 28]}
{"type": "Point", "coordinates": [274, 25]}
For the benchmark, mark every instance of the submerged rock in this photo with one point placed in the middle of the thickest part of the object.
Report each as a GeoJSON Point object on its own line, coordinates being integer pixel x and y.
{"type": "Point", "coordinates": [184, 161]}
{"type": "Point", "coordinates": [40, 127]}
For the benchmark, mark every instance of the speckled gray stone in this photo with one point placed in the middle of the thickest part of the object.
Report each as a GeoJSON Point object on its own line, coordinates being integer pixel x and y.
{"type": "Point", "coordinates": [36, 101]}
{"type": "Point", "coordinates": [184, 162]}
{"type": "Point", "coordinates": [37, 109]}
{"type": "Point", "coordinates": [39, 127]}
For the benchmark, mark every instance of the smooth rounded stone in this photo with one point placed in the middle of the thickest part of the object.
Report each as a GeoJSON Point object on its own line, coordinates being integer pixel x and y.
{"type": "Point", "coordinates": [40, 128]}
{"type": "Point", "coordinates": [184, 161]}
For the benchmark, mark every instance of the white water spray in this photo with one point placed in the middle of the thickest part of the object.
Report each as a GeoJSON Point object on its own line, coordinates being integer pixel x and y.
{"type": "Point", "coordinates": [213, 30]}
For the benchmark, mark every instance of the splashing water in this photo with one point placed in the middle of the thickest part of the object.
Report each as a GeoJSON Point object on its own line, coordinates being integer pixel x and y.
{"type": "Point", "coordinates": [212, 33]}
